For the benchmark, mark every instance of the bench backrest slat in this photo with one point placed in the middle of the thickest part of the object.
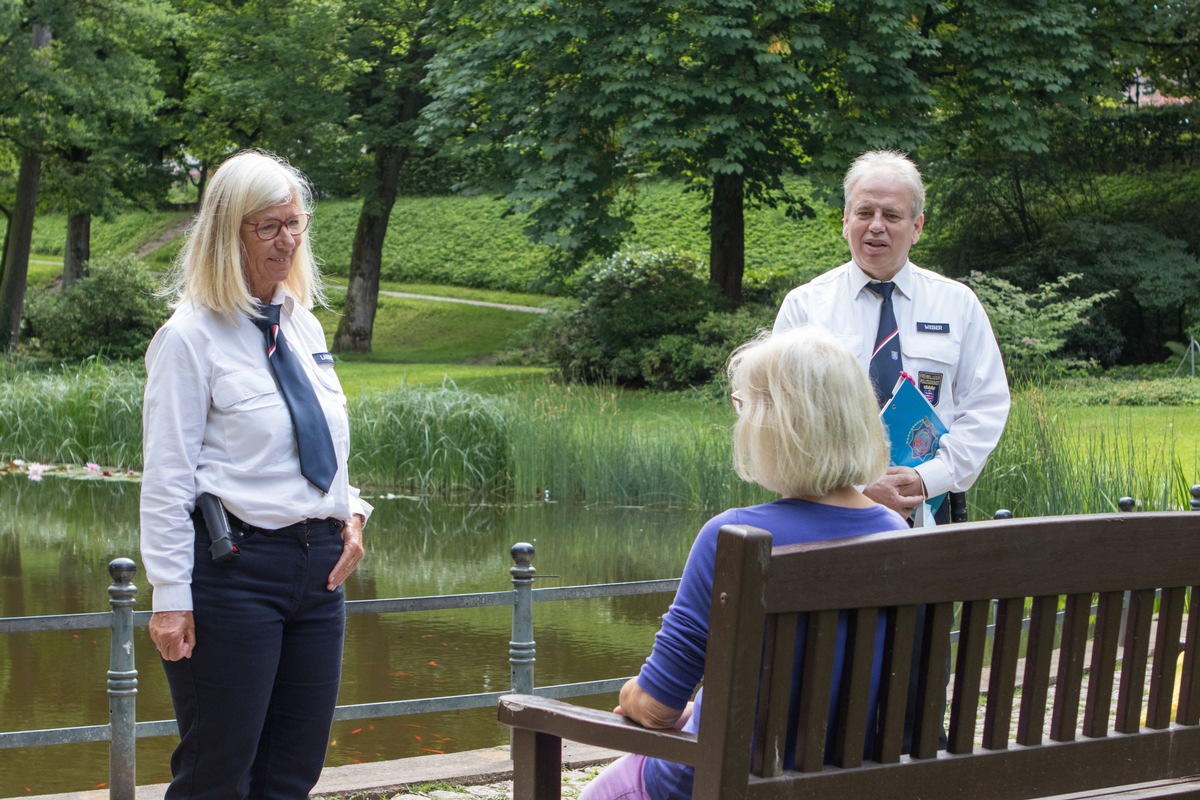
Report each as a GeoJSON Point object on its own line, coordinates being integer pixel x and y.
{"type": "Point", "coordinates": [1166, 650]}
{"type": "Point", "coordinates": [1039, 657]}
{"type": "Point", "coordinates": [1072, 655]}
{"type": "Point", "coordinates": [1104, 661]}
{"type": "Point", "coordinates": [1134, 654]}
{"type": "Point", "coordinates": [931, 680]}
{"type": "Point", "coordinates": [854, 696]}
{"type": "Point", "coordinates": [778, 655]}
{"type": "Point", "coordinates": [893, 692]}
{"type": "Point", "coordinates": [813, 714]}
{"type": "Point", "coordinates": [1002, 678]}
{"type": "Point", "coordinates": [972, 641]}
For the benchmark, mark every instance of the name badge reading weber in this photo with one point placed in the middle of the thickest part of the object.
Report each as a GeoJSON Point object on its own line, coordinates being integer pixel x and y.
{"type": "Point", "coordinates": [323, 358]}
{"type": "Point", "coordinates": [933, 327]}
{"type": "Point", "coordinates": [930, 384]}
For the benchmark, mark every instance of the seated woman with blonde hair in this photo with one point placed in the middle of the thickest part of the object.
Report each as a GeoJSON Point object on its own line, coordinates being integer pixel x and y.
{"type": "Point", "coordinates": [808, 428]}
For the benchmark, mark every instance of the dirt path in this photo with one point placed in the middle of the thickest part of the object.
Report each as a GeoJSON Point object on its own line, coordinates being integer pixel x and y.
{"type": "Point", "coordinates": [176, 230]}
{"type": "Point", "coordinates": [485, 303]}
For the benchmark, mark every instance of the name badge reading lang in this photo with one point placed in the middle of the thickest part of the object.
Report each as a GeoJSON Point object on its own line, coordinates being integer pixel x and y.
{"type": "Point", "coordinates": [323, 358]}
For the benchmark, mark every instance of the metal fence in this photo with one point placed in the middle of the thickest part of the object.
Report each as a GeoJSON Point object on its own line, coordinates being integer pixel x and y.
{"type": "Point", "coordinates": [123, 730]}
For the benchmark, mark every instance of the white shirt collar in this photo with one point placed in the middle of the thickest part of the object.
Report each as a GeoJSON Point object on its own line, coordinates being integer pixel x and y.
{"type": "Point", "coordinates": [903, 279]}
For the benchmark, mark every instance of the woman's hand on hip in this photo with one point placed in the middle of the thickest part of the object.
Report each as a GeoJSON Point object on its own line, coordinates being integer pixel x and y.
{"type": "Point", "coordinates": [352, 552]}
{"type": "Point", "coordinates": [173, 633]}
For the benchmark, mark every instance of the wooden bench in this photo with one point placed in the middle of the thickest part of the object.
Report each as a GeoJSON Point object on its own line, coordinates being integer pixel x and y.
{"type": "Point", "coordinates": [1078, 707]}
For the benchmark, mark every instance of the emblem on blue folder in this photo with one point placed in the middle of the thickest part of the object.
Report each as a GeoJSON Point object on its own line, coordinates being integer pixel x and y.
{"type": "Point", "coordinates": [923, 439]}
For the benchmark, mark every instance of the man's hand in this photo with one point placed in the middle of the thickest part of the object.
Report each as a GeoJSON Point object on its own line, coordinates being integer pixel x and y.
{"type": "Point", "coordinates": [900, 489]}
{"type": "Point", "coordinates": [352, 552]}
{"type": "Point", "coordinates": [173, 633]}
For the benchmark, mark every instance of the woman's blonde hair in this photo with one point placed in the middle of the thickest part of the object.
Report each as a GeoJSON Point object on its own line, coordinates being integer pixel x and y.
{"type": "Point", "coordinates": [809, 422]}
{"type": "Point", "coordinates": [209, 270]}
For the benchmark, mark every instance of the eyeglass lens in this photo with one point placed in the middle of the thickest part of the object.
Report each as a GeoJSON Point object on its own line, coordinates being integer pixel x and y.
{"type": "Point", "coordinates": [271, 228]}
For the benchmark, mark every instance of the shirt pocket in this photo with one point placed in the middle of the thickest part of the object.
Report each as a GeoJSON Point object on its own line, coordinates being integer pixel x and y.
{"type": "Point", "coordinates": [855, 343]}
{"type": "Point", "coordinates": [937, 352]}
{"type": "Point", "coordinates": [328, 380]}
{"type": "Point", "coordinates": [245, 390]}
{"type": "Point", "coordinates": [250, 423]}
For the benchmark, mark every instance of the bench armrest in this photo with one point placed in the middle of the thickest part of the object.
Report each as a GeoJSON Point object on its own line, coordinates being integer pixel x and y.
{"type": "Point", "coordinates": [598, 728]}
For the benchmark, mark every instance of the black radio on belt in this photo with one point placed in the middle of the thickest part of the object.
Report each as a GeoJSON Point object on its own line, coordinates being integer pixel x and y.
{"type": "Point", "coordinates": [215, 519]}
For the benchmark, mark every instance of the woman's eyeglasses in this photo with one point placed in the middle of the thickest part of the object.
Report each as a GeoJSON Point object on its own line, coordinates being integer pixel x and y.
{"type": "Point", "coordinates": [268, 229]}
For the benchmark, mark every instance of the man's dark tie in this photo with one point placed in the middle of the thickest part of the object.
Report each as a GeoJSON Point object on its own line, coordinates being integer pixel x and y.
{"type": "Point", "coordinates": [885, 359]}
{"type": "Point", "coordinates": [317, 460]}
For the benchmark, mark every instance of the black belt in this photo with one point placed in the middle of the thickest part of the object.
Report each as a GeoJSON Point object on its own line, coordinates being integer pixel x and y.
{"type": "Point", "coordinates": [299, 530]}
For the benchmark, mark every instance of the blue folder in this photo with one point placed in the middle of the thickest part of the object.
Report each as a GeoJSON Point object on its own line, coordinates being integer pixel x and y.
{"type": "Point", "coordinates": [913, 428]}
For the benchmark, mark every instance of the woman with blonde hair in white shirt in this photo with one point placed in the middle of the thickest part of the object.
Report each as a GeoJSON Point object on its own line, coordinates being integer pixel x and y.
{"type": "Point", "coordinates": [249, 525]}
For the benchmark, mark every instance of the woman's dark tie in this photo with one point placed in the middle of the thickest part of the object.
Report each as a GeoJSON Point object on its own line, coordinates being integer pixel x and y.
{"type": "Point", "coordinates": [317, 460]}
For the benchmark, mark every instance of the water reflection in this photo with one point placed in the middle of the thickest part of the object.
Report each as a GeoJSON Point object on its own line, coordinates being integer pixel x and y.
{"type": "Point", "coordinates": [57, 537]}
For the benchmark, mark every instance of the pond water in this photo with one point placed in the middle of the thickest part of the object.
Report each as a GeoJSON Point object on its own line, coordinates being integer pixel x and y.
{"type": "Point", "coordinates": [58, 536]}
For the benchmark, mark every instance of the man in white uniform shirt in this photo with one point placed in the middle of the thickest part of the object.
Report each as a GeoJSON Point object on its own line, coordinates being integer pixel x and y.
{"type": "Point", "coordinates": [946, 344]}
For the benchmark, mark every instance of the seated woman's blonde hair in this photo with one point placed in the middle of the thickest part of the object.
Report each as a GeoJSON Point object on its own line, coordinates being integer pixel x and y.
{"type": "Point", "coordinates": [808, 422]}
{"type": "Point", "coordinates": [209, 268]}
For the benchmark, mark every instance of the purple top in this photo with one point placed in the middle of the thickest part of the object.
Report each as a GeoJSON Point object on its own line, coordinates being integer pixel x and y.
{"type": "Point", "coordinates": [676, 664]}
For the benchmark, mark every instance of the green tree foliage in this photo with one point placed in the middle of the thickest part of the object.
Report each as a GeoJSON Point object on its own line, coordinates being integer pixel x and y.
{"type": "Point", "coordinates": [1173, 42]}
{"type": "Point", "coordinates": [260, 73]}
{"type": "Point", "coordinates": [77, 80]}
{"type": "Point", "coordinates": [583, 98]}
{"type": "Point", "coordinates": [108, 155]}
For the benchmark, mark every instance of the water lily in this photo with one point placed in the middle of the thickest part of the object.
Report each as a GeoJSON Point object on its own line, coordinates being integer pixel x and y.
{"type": "Point", "coordinates": [36, 470]}
{"type": "Point", "coordinates": [93, 467]}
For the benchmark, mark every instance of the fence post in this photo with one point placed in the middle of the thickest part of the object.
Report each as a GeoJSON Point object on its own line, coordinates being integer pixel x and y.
{"type": "Point", "coordinates": [521, 649]}
{"type": "Point", "coordinates": [122, 683]}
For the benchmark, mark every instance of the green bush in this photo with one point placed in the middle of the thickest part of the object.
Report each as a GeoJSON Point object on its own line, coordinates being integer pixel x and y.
{"type": "Point", "coordinates": [112, 312]}
{"type": "Point", "coordinates": [626, 305]}
{"type": "Point", "coordinates": [677, 361]}
{"type": "Point", "coordinates": [1032, 327]}
{"type": "Point", "coordinates": [1110, 391]}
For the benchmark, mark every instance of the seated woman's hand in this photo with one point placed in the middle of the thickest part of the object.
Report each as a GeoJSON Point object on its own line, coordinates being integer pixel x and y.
{"type": "Point", "coordinates": [643, 709]}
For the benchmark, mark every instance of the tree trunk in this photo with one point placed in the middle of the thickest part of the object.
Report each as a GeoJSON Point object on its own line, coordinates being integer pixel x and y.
{"type": "Point", "coordinates": [79, 247]}
{"type": "Point", "coordinates": [366, 255]}
{"type": "Point", "coordinates": [727, 236]}
{"type": "Point", "coordinates": [17, 246]}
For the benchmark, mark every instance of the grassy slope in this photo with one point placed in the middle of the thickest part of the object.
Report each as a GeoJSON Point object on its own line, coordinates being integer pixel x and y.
{"type": "Point", "coordinates": [466, 242]}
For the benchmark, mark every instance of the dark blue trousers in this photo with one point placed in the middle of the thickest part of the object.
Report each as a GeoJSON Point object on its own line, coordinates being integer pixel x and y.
{"type": "Point", "coordinates": [255, 701]}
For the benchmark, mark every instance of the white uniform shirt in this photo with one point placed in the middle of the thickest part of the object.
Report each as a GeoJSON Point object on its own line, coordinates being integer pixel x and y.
{"type": "Point", "coordinates": [946, 345]}
{"type": "Point", "coordinates": [214, 421]}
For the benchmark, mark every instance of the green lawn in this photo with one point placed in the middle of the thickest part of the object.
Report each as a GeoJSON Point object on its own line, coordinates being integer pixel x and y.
{"type": "Point", "coordinates": [1156, 429]}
